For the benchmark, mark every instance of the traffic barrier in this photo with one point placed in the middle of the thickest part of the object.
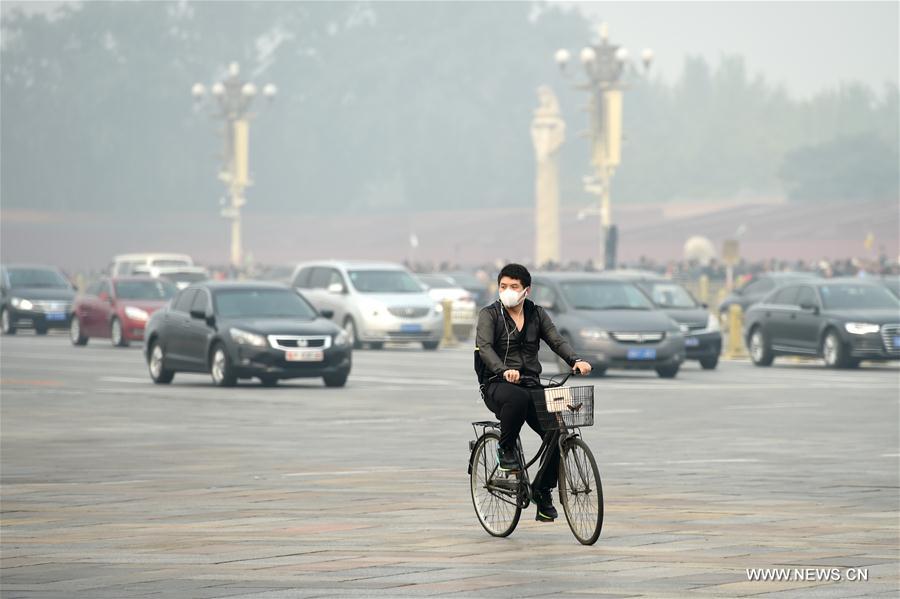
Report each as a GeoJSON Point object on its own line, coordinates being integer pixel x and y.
{"type": "Point", "coordinates": [449, 339]}
{"type": "Point", "coordinates": [735, 347]}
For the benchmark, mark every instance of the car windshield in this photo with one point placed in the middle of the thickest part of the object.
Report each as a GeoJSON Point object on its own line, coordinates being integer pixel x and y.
{"type": "Point", "coordinates": [852, 296]}
{"type": "Point", "coordinates": [604, 295]}
{"type": "Point", "coordinates": [262, 303]}
{"type": "Point", "coordinates": [185, 277]}
{"type": "Point", "coordinates": [384, 281]}
{"type": "Point", "coordinates": [145, 290]}
{"type": "Point", "coordinates": [669, 295]}
{"type": "Point", "coordinates": [36, 277]}
{"type": "Point", "coordinates": [171, 262]}
{"type": "Point", "coordinates": [437, 282]}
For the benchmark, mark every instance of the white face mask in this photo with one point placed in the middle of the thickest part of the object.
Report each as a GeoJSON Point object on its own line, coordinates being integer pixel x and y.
{"type": "Point", "coordinates": [512, 298]}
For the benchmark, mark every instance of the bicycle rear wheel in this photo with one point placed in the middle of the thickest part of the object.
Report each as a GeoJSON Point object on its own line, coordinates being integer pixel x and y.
{"type": "Point", "coordinates": [580, 491]}
{"type": "Point", "coordinates": [495, 494]}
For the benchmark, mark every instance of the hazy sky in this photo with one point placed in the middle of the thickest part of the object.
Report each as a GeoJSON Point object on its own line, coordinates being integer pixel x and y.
{"type": "Point", "coordinates": [805, 45]}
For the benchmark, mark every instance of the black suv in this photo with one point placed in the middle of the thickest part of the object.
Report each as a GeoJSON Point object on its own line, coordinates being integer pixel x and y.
{"type": "Point", "coordinates": [843, 321]}
{"type": "Point", "coordinates": [39, 297]}
{"type": "Point", "coordinates": [245, 330]}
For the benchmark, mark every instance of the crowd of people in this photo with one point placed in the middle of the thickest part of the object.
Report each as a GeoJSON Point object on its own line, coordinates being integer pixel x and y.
{"type": "Point", "coordinates": [714, 269]}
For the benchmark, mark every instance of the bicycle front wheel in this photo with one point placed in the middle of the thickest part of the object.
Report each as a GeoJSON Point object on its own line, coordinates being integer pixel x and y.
{"type": "Point", "coordinates": [580, 491]}
{"type": "Point", "coordinates": [495, 494]}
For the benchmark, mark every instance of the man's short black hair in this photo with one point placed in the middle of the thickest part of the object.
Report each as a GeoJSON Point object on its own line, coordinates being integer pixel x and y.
{"type": "Point", "coordinates": [515, 271]}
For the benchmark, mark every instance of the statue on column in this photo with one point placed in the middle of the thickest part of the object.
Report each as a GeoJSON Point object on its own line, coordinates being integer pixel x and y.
{"type": "Point", "coordinates": [548, 131]}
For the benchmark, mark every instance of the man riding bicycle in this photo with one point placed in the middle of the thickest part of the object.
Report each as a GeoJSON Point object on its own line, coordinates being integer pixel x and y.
{"type": "Point", "coordinates": [507, 339]}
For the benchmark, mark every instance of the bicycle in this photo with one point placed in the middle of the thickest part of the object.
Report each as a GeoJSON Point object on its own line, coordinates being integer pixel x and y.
{"type": "Point", "coordinates": [499, 497]}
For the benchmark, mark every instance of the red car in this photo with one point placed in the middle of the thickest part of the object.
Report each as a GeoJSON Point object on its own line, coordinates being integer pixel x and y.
{"type": "Point", "coordinates": [117, 308]}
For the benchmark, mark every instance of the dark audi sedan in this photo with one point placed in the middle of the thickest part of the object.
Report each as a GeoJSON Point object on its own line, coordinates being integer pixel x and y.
{"type": "Point", "coordinates": [843, 321]}
{"type": "Point", "coordinates": [245, 330]}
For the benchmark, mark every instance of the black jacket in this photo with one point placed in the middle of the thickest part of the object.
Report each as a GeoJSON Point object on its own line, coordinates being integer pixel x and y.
{"type": "Point", "coordinates": [500, 347]}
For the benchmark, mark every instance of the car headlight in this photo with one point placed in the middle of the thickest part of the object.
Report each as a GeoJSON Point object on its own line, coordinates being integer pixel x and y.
{"type": "Point", "coordinates": [136, 313]}
{"type": "Point", "coordinates": [712, 324]}
{"type": "Point", "coordinates": [593, 334]}
{"type": "Point", "coordinates": [438, 308]}
{"type": "Point", "coordinates": [861, 328]}
{"type": "Point", "coordinates": [247, 338]}
{"type": "Point", "coordinates": [21, 304]}
{"type": "Point", "coordinates": [685, 329]}
{"type": "Point", "coordinates": [341, 338]}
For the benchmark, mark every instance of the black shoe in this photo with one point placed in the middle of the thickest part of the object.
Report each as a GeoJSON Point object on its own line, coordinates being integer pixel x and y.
{"type": "Point", "coordinates": [507, 459]}
{"type": "Point", "coordinates": [545, 510]}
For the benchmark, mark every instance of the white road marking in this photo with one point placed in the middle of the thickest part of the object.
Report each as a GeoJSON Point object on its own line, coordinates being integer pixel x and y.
{"type": "Point", "coordinates": [125, 379]}
{"type": "Point", "coordinates": [401, 381]}
{"type": "Point", "coordinates": [773, 406]}
{"type": "Point", "coordinates": [376, 470]}
{"type": "Point", "coordinates": [674, 462]}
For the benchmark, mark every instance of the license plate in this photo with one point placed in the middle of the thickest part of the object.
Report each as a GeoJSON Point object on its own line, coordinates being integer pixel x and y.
{"type": "Point", "coordinates": [410, 328]}
{"type": "Point", "coordinates": [691, 342]}
{"type": "Point", "coordinates": [897, 341]}
{"type": "Point", "coordinates": [56, 316]}
{"type": "Point", "coordinates": [642, 353]}
{"type": "Point", "coordinates": [314, 355]}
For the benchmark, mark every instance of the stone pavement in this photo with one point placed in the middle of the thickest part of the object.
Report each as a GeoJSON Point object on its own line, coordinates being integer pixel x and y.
{"type": "Point", "coordinates": [114, 487]}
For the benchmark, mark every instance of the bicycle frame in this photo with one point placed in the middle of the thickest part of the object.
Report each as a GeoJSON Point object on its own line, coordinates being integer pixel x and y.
{"type": "Point", "coordinates": [521, 490]}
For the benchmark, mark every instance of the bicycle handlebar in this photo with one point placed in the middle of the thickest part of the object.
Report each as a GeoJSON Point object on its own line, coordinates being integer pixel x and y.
{"type": "Point", "coordinates": [552, 379]}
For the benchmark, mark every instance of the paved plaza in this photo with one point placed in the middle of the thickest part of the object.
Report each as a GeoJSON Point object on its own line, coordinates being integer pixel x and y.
{"type": "Point", "coordinates": [113, 487]}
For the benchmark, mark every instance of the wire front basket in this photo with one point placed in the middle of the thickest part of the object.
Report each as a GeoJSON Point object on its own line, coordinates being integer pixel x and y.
{"type": "Point", "coordinates": [564, 407]}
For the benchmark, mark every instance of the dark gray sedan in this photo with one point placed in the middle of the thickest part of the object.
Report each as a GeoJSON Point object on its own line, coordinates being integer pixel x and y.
{"type": "Point", "coordinates": [610, 323]}
{"type": "Point", "coordinates": [843, 321]}
{"type": "Point", "coordinates": [702, 335]}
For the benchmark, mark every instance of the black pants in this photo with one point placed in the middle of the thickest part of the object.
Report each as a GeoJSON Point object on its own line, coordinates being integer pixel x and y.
{"type": "Point", "coordinates": [513, 406]}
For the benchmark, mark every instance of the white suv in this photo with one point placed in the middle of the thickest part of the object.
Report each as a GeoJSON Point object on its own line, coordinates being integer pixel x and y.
{"type": "Point", "coordinates": [374, 301]}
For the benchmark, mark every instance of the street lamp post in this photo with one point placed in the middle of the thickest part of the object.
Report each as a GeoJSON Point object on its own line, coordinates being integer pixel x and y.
{"type": "Point", "coordinates": [606, 66]}
{"type": "Point", "coordinates": [233, 98]}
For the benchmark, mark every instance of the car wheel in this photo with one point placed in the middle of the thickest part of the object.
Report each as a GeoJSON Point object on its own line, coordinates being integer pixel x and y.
{"type": "Point", "coordinates": [40, 329]}
{"type": "Point", "coordinates": [7, 323]}
{"type": "Point", "coordinates": [116, 334]}
{"type": "Point", "coordinates": [834, 351]}
{"type": "Point", "coordinates": [220, 367]}
{"type": "Point", "coordinates": [667, 372]}
{"type": "Point", "coordinates": [268, 381]}
{"type": "Point", "coordinates": [430, 345]}
{"type": "Point", "coordinates": [336, 380]}
{"type": "Point", "coordinates": [709, 363]}
{"type": "Point", "coordinates": [156, 364]}
{"type": "Point", "coordinates": [760, 352]}
{"type": "Point", "coordinates": [352, 335]}
{"type": "Point", "coordinates": [75, 334]}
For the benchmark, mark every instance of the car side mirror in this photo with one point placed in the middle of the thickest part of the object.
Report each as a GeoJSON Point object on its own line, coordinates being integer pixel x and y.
{"type": "Point", "coordinates": [198, 314]}
{"type": "Point", "coordinates": [335, 288]}
{"type": "Point", "coordinates": [810, 308]}
{"type": "Point", "coordinates": [327, 313]}
{"type": "Point", "coordinates": [704, 305]}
